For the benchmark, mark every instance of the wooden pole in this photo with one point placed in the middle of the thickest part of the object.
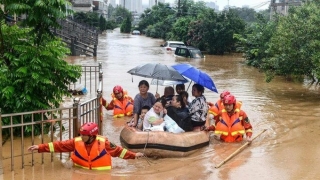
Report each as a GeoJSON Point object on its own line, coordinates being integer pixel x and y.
{"type": "Point", "coordinates": [239, 150]}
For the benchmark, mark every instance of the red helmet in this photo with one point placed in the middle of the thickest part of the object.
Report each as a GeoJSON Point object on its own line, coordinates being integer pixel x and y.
{"type": "Point", "coordinates": [89, 129]}
{"type": "Point", "coordinates": [229, 99]}
{"type": "Point", "coordinates": [117, 89]}
{"type": "Point", "coordinates": [224, 93]}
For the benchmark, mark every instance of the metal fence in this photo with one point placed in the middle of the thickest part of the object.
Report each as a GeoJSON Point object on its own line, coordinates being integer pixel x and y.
{"type": "Point", "coordinates": [51, 122]}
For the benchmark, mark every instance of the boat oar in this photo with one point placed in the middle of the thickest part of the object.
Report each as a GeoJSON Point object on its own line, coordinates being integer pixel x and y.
{"type": "Point", "coordinates": [238, 150]}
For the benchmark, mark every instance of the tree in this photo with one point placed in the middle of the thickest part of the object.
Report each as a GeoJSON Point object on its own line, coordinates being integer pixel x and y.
{"type": "Point", "coordinates": [34, 74]}
{"type": "Point", "coordinates": [126, 25]}
{"type": "Point", "coordinates": [255, 41]}
{"type": "Point", "coordinates": [156, 22]}
{"type": "Point", "coordinates": [180, 28]}
{"type": "Point", "coordinates": [214, 32]}
{"type": "Point", "coordinates": [294, 47]}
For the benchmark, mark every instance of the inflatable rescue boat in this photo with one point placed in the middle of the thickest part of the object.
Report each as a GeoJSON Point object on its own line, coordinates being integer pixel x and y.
{"type": "Point", "coordinates": [163, 144]}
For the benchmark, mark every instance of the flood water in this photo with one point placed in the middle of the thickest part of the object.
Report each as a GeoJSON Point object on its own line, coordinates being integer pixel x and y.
{"type": "Point", "coordinates": [290, 111]}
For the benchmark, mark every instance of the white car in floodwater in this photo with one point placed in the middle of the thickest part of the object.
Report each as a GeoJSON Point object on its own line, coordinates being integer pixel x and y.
{"type": "Point", "coordinates": [172, 45]}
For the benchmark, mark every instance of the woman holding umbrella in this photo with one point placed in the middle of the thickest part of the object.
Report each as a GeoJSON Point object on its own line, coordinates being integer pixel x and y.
{"type": "Point", "coordinates": [198, 108]}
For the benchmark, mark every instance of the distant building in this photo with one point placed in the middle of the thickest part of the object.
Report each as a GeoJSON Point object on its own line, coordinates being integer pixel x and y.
{"type": "Point", "coordinates": [132, 5]}
{"type": "Point", "coordinates": [212, 5]}
{"type": "Point", "coordinates": [82, 5]}
{"type": "Point", "coordinates": [282, 6]}
{"type": "Point", "coordinates": [112, 3]}
{"type": "Point", "coordinates": [101, 7]}
{"type": "Point", "coordinates": [153, 2]}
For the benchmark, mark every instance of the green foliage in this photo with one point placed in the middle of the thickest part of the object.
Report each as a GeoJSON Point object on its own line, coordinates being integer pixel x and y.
{"type": "Point", "coordinates": [214, 32]}
{"type": "Point", "coordinates": [111, 24]}
{"type": "Point", "coordinates": [90, 18]}
{"type": "Point", "coordinates": [246, 14]}
{"type": "Point", "coordinates": [193, 23]}
{"type": "Point", "coordinates": [287, 46]}
{"type": "Point", "coordinates": [34, 74]}
{"type": "Point", "coordinates": [119, 14]}
{"type": "Point", "coordinates": [156, 22]}
{"type": "Point", "coordinates": [180, 28]}
{"type": "Point", "coordinates": [294, 47]}
{"type": "Point", "coordinates": [126, 25]}
{"type": "Point", "coordinates": [254, 42]}
{"type": "Point", "coordinates": [95, 20]}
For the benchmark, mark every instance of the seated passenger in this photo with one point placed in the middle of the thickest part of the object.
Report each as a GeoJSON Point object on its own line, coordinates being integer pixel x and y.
{"type": "Point", "coordinates": [167, 94]}
{"type": "Point", "coordinates": [142, 113]}
{"type": "Point", "coordinates": [179, 113]}
{"type": "Point", "coordinates": [153, 120]}
{"type": "Point", "coordinates": [121, 103]}
{"type": "Point", "coordinates": [185, 98]}
{"type": "Point", "coordinates": [198, 108]}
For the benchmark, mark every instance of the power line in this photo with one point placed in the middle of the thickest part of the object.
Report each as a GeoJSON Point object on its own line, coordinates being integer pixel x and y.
{"type": "Point", "coordinates": [260, 5]}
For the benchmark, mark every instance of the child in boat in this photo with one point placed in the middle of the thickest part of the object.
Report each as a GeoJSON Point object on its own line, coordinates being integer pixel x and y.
{"type": "Point", "coordinates": [121, 103]}
{"type": "Point", "coordinates": [142, 113]}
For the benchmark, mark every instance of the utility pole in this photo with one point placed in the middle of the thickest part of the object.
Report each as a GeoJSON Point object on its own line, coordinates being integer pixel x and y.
{"type": "Point", "coordinates": [156, 2]}
{"type": "Point", "coordinates": [178, 8]}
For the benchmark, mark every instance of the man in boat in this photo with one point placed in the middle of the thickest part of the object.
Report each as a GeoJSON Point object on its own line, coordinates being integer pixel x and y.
{"type": "Point", "coordinates": [167, 94]}
{"type": "Point", "coordinates": [231, 123]}
{"type": "Point", "coordinates": [90, 151]}
{"type": "Point", "coordinates": [121, 103]}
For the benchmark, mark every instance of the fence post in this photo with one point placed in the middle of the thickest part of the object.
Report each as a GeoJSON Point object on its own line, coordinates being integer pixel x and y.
{"type": "Point", "coordinates": [99, 99]}
{"type": "Point", "coordinates": [100, 111]}
{"type": "Point", "coordinates": [76, 115]}
{"type": "Point", "coordinates": [1, 157]}
{"type": "Point", "coordinates": [95, 50]}
{"type": "Point", "coordinates": [72, 45]}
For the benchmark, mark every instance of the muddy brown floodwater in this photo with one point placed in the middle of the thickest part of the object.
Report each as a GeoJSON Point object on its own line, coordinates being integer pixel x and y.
{"type": "Point", "coordinates": [290, 111]}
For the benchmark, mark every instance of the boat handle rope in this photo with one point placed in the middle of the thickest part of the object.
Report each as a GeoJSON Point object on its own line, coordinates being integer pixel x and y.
{"type": "Point", "coordinates": [144, 155]}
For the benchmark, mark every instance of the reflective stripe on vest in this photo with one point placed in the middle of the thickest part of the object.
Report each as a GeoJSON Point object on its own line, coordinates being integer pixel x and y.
{"type": "Point", "coordinates": [99, 158]}
{"type": "Point", "coordinates": [123, 153]}
{"type": "Point", "coordinates": [95, 168]}
{"type": "Point", "coordinates": [225, 128]}
{"type": "Point", "coordinates": [51, 147]}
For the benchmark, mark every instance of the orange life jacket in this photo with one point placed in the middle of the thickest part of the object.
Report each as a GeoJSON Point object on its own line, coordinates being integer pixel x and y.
{"type": "Point", "coordinates": [122, 108]}
{"type": "Point", "coordinates": [230, 128]}
{"type": "Point", "coordinates": [216, 108]}
{"type": "Point", "coordinates": [99, 158]}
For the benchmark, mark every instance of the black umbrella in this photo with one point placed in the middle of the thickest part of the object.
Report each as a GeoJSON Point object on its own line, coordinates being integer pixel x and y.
{"type": "Point", "coordinates": [157, 71]}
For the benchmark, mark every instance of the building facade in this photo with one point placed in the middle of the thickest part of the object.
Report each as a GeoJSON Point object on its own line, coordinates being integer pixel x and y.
{"type": "Point", "coordinates": [132, 5]}
{"type": "Point", "coordinates": [282, 6]}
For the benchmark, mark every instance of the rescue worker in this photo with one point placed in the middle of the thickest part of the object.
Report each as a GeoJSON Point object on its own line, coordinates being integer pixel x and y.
{"type": "Point", "coordinates": [231, 122]}
{"type": "Point", "coordinates": [89, 151]}
{"type": "Point", "coordinates": [214, 109]}
{"type": "Point", "coordinates": [121, 103]}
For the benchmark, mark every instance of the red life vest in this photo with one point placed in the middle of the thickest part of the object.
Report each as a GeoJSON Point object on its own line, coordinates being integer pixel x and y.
{"type": "Point", "coordinates": [230, 128]}
{"type": "Point", "coordinates": [122, 108]}
{"type": "Point", "coordinates": [99, 158]}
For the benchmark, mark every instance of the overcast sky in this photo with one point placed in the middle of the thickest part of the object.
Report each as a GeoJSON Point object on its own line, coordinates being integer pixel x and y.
{"type": "Point", "coordinates": [238, 3]}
